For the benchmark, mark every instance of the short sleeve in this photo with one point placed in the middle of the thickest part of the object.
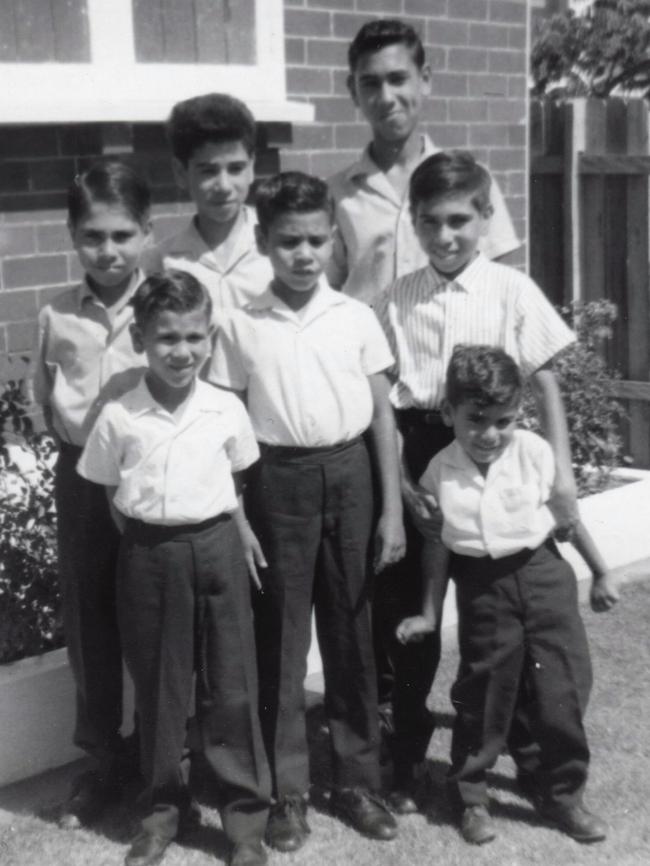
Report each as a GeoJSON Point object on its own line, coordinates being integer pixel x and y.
{"type": "Point", "coordinates": [501, 236]}
{"type": "Point", "coordinates": [41, 378]}
{"type": "Point", "coordinates": [544, 464]}
{"type": "Point", "coordinates": [430, 478]}
{"type": "Point", "coordinates": [100, 461]}
{"type": "Point", "coordinates": [541, 332]}
{"type": "Point", "coordinates": [381, 310]}
{"type": "Point", "coordinates": [337, 267]}
{"type": "Point", "coordinates": [376, 354]}
{"type": "Point", "coordinates": [241, 448]}
{"type": "Point", "coordinates": [226, 367]}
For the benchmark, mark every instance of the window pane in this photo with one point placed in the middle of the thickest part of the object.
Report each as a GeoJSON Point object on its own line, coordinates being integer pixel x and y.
{"type": "Point", "coordinates": [38, 31]}
{"type": "Point", "coordinates": [194, 31]}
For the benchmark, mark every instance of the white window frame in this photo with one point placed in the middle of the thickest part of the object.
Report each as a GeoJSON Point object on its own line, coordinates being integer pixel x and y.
{"type": "Point", "coordinates": [113, 87]}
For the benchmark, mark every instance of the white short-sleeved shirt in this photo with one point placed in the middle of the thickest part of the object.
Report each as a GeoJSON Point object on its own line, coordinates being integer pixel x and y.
{"type": "Point", "coordinates": [498, 514]}
{"type": "Point", "coordinates": [375, 242]}
{"type": "Point", "coordinates": [170, 470]}
{"type": "Point", "coordinates": [306, 376]}
{"type": "Point", "coordinates": [425, 315]}
{"type": "Point", "coordinates": [245, 275]}
{"type": "Point", "coordinates": [83, 358]}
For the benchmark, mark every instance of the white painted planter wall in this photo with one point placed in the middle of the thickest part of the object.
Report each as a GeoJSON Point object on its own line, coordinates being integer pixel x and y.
{"type": "Point", "coordinates": [37, 701]}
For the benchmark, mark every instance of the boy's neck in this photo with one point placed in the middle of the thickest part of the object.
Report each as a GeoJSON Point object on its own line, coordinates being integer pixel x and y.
{"type": "Point", "coordinates": [453, 275]}
{"type": "Point", "coordinates": [112, 295]}
{"type": "Point", "coordinates": [397, 154]}
{"type": "Point", "coordinates": [171, 399]}
{"type": "Point", "coordinates": [296, 301]}
{"type": "Point", "coordinates": [219, 235]}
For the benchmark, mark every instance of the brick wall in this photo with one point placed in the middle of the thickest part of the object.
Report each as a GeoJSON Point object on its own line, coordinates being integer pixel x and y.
{"type": "Point", "coordinates": [477, 52]}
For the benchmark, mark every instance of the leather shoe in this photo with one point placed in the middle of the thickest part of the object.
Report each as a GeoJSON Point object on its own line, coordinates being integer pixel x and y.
{"type": "Point", "coordinates": [287, 828]}
{"type": "Point", "coordinates": [363, 811]}
{"type": "Point", "coordinates": [476, 825]}
{"type": "Point", "coordinates": [402, 802]}
{"type": "Point", "coordinates": [575, 821]}
{"type": "Point", "coordinates": [147, 849]}
{"type": "Point", "coordinates": [88, 800]}
{"type": "Point", "coordinates": [248, 854]}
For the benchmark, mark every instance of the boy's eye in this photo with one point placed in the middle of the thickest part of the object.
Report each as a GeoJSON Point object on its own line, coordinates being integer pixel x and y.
{"type": "Point", "coordinates": [458, 222]}
{"type": "Point", "coordinates": [236, 167]}
{"type": "Point", "coordinates": [123, 237]}
{"type": "Point", "coordinates": [398, 78]}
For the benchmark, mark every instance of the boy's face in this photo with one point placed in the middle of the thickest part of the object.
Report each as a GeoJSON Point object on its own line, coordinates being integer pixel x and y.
{"type": "Point", "coordinates": [299, 246]}
{"type": "Point", "coordinates": [109, 241]}
{"type": "Point", "coordinates": [389, 89]}
{"type": "Point", "coordinates": [176, 345]}
{"type": "Point", "coordinates": [217, 178]}
{"type": "Point", "coordinates": [482, 431]}
{"type": "Point", "coordinates": [449, 230]}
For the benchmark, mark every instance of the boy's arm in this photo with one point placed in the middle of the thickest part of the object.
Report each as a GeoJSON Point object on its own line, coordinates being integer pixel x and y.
{"type": "Point", "coordinates": [604, 593]}
{"type": "Point", "coordinates": [252, 548]}
{"type": "Point", "coordinates": [435, 567]}
{"type": "Point", "coordinates": [563, 501]}
{"type": "Point", "coordinates": [390, 541]}
{"type": "Point", "coordinates": [118, 518]}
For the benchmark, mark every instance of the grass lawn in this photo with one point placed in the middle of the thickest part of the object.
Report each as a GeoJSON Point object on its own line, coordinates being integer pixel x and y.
{"type": "Point", "coordinates": [619, 787]}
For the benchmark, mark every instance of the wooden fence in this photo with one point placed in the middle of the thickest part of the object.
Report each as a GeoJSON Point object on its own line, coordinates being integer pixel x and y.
{"type": "Point", "coordinates": [589, 226]}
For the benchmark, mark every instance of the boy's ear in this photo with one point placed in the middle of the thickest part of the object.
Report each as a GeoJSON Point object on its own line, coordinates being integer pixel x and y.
{"type": "Point", "coordinates": [486, 213]}
{"type": "Point", "coordinates": [352, 89]}
{"type": "Point", "coordinates": [260, 239]}
{"type": "Point", "coordinates": [180, 173]}
{"type": "Point", "coordinates": [425, 80]}
{"type": "Point", "coordinates": [136, 338]}
{"type": "Point", "coordinates": [447, 413]}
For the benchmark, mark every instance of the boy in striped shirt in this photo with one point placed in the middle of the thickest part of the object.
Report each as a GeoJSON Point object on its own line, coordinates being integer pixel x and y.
{"type": "Point", "coordinates": [460, 297]}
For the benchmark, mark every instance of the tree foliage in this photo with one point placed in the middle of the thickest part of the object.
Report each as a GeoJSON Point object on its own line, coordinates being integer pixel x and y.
{"type": "Point", "coordinates": [604, 50]}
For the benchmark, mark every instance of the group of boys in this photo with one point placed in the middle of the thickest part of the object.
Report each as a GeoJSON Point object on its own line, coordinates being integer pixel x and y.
{"type": "Point", "coordinates": [327, 388]}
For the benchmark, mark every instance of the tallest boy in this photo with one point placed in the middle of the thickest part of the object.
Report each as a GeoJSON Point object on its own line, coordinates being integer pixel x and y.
{"type": "Point", "coordinates": [389, 81]}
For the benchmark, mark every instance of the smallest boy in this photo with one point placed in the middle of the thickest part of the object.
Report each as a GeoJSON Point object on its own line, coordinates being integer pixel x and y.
{"type": "Point", "coordinates": [167, 451]}
{"type": "Point", "coordinates": [310, 363]}
{"type": "Point", "coordinates": [517, 600]}
{"type": "Point", "coordinates": [212, 139]}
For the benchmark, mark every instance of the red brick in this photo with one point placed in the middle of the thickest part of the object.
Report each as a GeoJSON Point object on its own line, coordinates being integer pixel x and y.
{"type": "Point", "coordinates": [334, 109]}
{"type": "Point", "coordinates": [430, 8]}
{"type": "Point", "coordinates": [324, 163]}
{"type": "Point", "coordinates": [167, 225]}
{"type": "Point", "coordinates": [450, 135]}
{"type": "Point", "coordinates": [294, 161]}
{"type": "Point", "coordinates": [488, 85]}
{"type": "Point", "coordinates": [75, 271]}
{"type": "Point", "coordinates": [80, 140]}
{"type": "Point", "coordinates": [488, 136]}
{"type": "Point", "coordinates": [306, 22]}
{"type": "Point", "coordinates": [21, 336]}
{"type": "Point", "coordinates": [508, 10]}
{"type": "Point", "coordinates": [14, 177]}
{"type": "Point", "coordinates": [508, 159]}
{"type": "Point", "coordinates": [517, 208]}
{"type": "Point", "coordinates": [517, 38]}
{"type": "Point", "coordinates": [26, 141]}
{"type": "Point", "coordinates": [294, 2]}
{"type": "Point", "coordinates": [53, 238]}
{"type": "Point", "coordinates": [303, 80]}
{"type": "Point", "coordinates": [294, 50]}
{"type": "Point", "coordinates": [436, 57]}
{"type": "Point", "coordinates": [329, 4]}
{"type": "Point", "coordinates": [507, 61]}
{"type": "Point", "coordinates": [327, 52]}
{"type": "Point", "coordinates": [149, 136]}
{"type": "Point", "coordinates": [488, 35]}
{"type": "Point", "coordinates": [44, 296]}
{"type": "Point", "coordinates": [353, 135]}
{"type": "Point", "coordinates": [517, 135]}
{"type": "Point", "coordinates": [446, 33]}
{"type": "Point", "coordinates": [52, 174]}
{"type": "Point", "coordinates": [3, 349]}
{"type": "Point", "coordinates": [33, 207]}
{"type": "Point", "coordinates": [507, 111]}
{"type": "Point", "coordinates": [468, 110]}
{"type": "Point", "coordinates": [435, 111]}
{"type": "Point", "coordinates": [16, 240]}
{"type": "Point", "coordinates": [340, 81]}
{"type": "Point", "coordinates": [468, 10]}
{"type": "Point", "coordinates": [467, 60]}
{"type": "Point", "coordinates": [515, 183]}
{"type": "Point", "coordinates": [379, 6]}
{"type": "Point", "coordinates": [313, 137]}
{"type": "Point", "coordinates": [33, 271]}
{"type": "Point", "coordinates": [450, 84]}
{"type": "Point", "coordinates": [17, 306]}
{"type": "Point", "coordinates": [347, 25]}
{"type": "Point", "coordinates": [517, 86]}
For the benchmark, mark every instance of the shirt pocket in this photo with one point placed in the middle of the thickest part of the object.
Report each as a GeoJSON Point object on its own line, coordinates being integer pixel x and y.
{"type": "Point", "coordinates": [520, 500]}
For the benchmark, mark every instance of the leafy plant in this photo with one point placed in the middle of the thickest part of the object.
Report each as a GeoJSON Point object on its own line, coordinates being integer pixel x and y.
{"type": "Point", "coordinates": [605, 49]}
{"type": "Point", "coordinates": [30, 619]}
{"type": "Point", "coordinates": [593, 416]}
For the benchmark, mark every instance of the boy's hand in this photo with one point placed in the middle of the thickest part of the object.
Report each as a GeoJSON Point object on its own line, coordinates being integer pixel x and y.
{"type": "Point", "coordinates": [563, 504]}
{"type": "Point", "coordinates": [390, 541]}
{"type": "Point", "coordinates": [604, 593]}
{"type": "Point", "coordinates": [423, 508]}
{"type": "Point", "coordinates": [252, 553]}
{"type": "Point", "coordinates": [414, 628]}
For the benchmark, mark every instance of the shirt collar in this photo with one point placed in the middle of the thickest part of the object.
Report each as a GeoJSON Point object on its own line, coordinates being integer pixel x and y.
{"type": "Point", "coordinates": [204, 398]}
{"type": "Point", "coordinates": [324, 297]}
{"type": "Point", "coordinates": [85, 294]}
{"type": "Point", "coordinates": [190, 243]}
{"type": "Point", "coordinates": [366, 165]}
{"type": "Point", "coordinates": [457, 458]}
{"type": "Point", "coordinates": [470, 280]}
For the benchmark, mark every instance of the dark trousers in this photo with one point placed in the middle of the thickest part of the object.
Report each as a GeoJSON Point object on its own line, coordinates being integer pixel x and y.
{"type": "Point", "coordinates": [519, 616]}
{"type": "Point", "coordinates": [312, 512]}
{"type": "Point", "coordinates": [406, 672]}
{"type": "Point", "coordinates": [88, 544]}
{"type": "Point", "coordinates": [183, 600]}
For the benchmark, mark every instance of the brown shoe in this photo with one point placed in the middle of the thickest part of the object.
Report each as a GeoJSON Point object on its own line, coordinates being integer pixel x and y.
{"type": "Point", "coordinates": [363, 811]}
{"type": "Point", "coordinates": [575, 821]}
{"type": "Point", "coordinates": [476, 825]}
{"type": "Point", "coordinates": [248, 854]}
{"type": "Point", "coordinates": [147, 849]}
{"type": "Point", "coordinates": [287, 828]}
{"type": "Point", "coordinates": [89, 798]}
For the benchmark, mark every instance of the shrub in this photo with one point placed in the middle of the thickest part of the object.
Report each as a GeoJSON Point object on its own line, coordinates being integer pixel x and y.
{"type": "Point", "coordinates": [30, 618]}
{"type": "Point", "coordinates": [593, 416]}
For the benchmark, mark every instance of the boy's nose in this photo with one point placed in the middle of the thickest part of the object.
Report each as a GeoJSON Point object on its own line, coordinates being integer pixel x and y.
{"type": "Point", "coordinates": [386, 94]}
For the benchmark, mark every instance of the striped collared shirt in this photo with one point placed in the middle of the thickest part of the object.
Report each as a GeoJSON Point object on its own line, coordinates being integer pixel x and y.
{"type": "Point", "coordinates": [375, 242]}
{"type": "Point", "coordinates": [425, 315]}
